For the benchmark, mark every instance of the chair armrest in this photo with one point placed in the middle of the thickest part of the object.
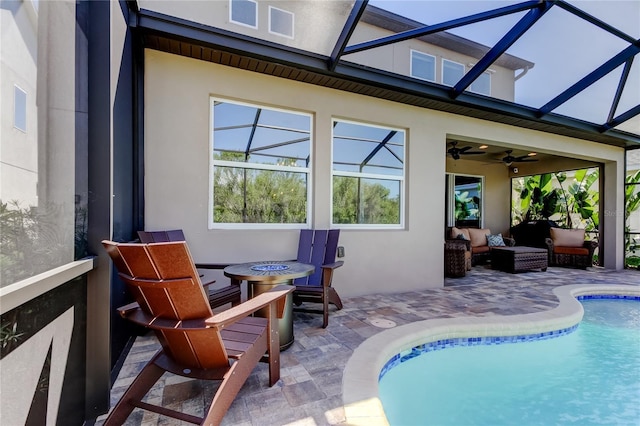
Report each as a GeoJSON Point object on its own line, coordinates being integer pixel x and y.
{"type": "Point", "coordinates": [591, 246]}
{"type": "Point", "coordinates": [231, 315]}
{"type": "Point", "coordinates": [509, 242]}
{"type": "Point", "coordinates": [127, 309]}
{"type": "Point", "coordinates": [333, 265]}
{"type": "Point", "coordinates": [549, 243]}
{"type": "Point", "coordinates": [213, 265]}
{"type": "Point", "coordinates": [465, 243]}
{"type": "Point", "coordinates": [133, 313]}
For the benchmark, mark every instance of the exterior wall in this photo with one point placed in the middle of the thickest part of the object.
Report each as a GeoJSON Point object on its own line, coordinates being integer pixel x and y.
{"type": "Point", "coordinates": [177, 92]}
{"type": "Point", "coordinates": [502, 79]}
{"type": "Point", "coordinates": [316, 22]}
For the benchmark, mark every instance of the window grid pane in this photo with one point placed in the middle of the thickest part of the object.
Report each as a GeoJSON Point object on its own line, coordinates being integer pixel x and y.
{"type": "Point", "coordinates": [423, 66]}
{"type": "Point", "coordinates": [482, 84]}
{"type": "Point", "coordinates": [281, 22]}
{"type": "Point", "coordinates": [20, 109]}
{"type": "Point", "coordinates": [452, 72]}
{"type": "Point", "coordinates": [244, 12]}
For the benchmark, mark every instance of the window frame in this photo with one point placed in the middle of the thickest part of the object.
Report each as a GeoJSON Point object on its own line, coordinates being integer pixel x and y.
{"type": "Point", "coordinates": [450, 197]}
{"type": "Point", "coordinates": [212, 163]}
{"type": "Point", "coordinates": [435, 61]}
{"type": "Point", "coordinates": [464, 71]}
{"type": "Point", "coordinates": [293, 16]}
{"type": "Point", "coordinates": [401, 179]}
{"type": "Point", "coordinates": [244, 24]}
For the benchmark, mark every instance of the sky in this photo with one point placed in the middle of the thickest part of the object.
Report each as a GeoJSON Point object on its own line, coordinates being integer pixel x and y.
{"type": "Point", "coordinates": [563, 47]}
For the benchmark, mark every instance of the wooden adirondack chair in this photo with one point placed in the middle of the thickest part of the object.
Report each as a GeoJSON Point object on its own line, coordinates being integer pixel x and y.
{"type": "Point", "coordinates": [318, 247]}
{"type": "Point", "coordinates": [171, 301]}
{"type": "Point", "coordinates": [217, 296]}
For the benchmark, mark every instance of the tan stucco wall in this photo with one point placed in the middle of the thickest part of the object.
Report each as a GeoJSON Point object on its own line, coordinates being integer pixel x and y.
{"type": "Point", "coordinates": [317, 23]}
{"type": "Point", "coordinates": [177, 93]}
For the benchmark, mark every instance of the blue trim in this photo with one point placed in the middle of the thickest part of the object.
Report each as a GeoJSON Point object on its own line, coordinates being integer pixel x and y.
{"type": "Point", "coordinates": [521, 27]}
{"type": "Point", "coordinates": [616, 99]}
{"type": "Point", "coordinates": [444, 26]}
{"type": "Point", "coordinates": [349, 26]}
{"type": "Point", "coordinates": [591, 78]}
{"type": "Point", "coordinates": [490, 340]}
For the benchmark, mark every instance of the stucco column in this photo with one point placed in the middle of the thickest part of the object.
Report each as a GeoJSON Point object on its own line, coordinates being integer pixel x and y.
{"type": "Point", "coordinates": [612, 214]}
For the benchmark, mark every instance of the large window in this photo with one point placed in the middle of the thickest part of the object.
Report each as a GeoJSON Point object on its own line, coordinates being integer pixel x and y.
{"type": "Point", "coordinates": [452, 72]}
{"type": "Point", "coordinates": [261, 166]}
{"type": "Point", "coordinates": [368, 175]}
{"type": "Point", "coordinates": [423, 66]}
{"type": "Point", "coordinates": [464, 200]}
{"type": "Point", "coordinates": [244, 12]}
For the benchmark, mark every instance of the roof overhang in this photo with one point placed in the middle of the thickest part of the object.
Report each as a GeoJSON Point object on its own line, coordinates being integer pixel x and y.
{"type": "Point", "coordinates": [186, 38]}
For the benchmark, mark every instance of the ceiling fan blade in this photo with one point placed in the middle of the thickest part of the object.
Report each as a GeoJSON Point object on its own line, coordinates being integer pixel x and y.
{"type": "Point", "coordinates": [525, 160]}
{"type": "Point", "coordinates": [473, 152]}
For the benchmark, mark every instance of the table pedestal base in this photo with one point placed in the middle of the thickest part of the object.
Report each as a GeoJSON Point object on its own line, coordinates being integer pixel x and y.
{"type": "Point", "coordinates": [285, 324]}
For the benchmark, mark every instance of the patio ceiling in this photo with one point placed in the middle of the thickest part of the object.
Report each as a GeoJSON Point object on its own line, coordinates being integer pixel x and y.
{"type": "Point", "coordinates": [196, 40]}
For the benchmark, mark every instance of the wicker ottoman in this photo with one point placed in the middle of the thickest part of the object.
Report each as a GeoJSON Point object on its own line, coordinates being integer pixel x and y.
{"type": "Point", "coordinates": [519, 258]}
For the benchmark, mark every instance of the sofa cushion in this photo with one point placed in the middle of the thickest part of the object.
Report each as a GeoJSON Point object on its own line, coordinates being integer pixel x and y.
{"type": "Point", "coordinates": [455, 232]}
{"type": "Point", "coordinates": [566, 237]}
{"type": "Point", "coordinates": [571, 250]}
{"type": "Point", "coordinates": [478, 237]}
{"type": "Point", "coordinates": [480, 249]}
{"type": "Point", "coordinates": [495, 240]}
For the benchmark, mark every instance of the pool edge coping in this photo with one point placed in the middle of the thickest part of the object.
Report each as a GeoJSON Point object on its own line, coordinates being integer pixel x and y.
{"type": "Point", "coordinates": [360, 378]}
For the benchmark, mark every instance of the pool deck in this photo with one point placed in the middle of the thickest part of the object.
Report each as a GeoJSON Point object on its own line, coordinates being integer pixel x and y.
{"type": "Point", "coordinates": [310, 391]}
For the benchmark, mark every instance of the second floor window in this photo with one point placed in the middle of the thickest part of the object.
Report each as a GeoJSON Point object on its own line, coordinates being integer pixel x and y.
{"type": "Point", "coordinates": [423, 66]}
{"type": "Point", "coordinates": [368, 175]}
{"type": "Point", "coordinates": [280, 22]}
{"type": "Point", "coordinates": [482, 84]}
{"type": "Point", "coordinates": [244, 12]}
{"type": "Point", "coordinates": [452, 72]}
{"type": "Point", "coordinates": [260, 166]}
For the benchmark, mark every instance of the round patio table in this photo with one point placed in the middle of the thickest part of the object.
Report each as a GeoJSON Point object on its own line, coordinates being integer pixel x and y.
{"type": "Point", "coordinates": [265, 275]}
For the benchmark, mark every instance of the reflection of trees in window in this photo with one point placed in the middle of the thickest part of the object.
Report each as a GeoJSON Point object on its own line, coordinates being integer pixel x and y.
{"type": "Point", "coordinates": [467, 198]}
{"type": "Point", "coordinates": [368, 174]}
{"type": "Point", "coordinates": [261, 164]}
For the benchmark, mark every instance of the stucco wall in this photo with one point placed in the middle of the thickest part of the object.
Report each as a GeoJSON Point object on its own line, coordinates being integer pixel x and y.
{"type": "Point", "coordinates": [177, 92]}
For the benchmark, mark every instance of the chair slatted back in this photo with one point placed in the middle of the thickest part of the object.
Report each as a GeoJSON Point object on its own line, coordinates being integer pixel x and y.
{"type": "Point", "coordinates": [165, 283]}
{"type": "Point", "coordinates": [317, 247]}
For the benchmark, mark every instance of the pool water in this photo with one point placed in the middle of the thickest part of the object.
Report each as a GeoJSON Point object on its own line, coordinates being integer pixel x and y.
{"type": "Point", "coordinates": [591, 376]}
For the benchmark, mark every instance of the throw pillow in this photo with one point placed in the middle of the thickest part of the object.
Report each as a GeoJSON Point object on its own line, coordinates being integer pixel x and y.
{"type": "Point", "coordinates": [495, 240]}
{"type": "Point", "coordinates": [479, 236]}
{"type": "Point", "coordinates": [567, 237]}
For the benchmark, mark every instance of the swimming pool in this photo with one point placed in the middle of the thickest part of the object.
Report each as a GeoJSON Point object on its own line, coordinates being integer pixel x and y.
{"type": "Point", "coordinates": [587, 376]}
{"type": "Point", "coordinates": [361, 400]}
